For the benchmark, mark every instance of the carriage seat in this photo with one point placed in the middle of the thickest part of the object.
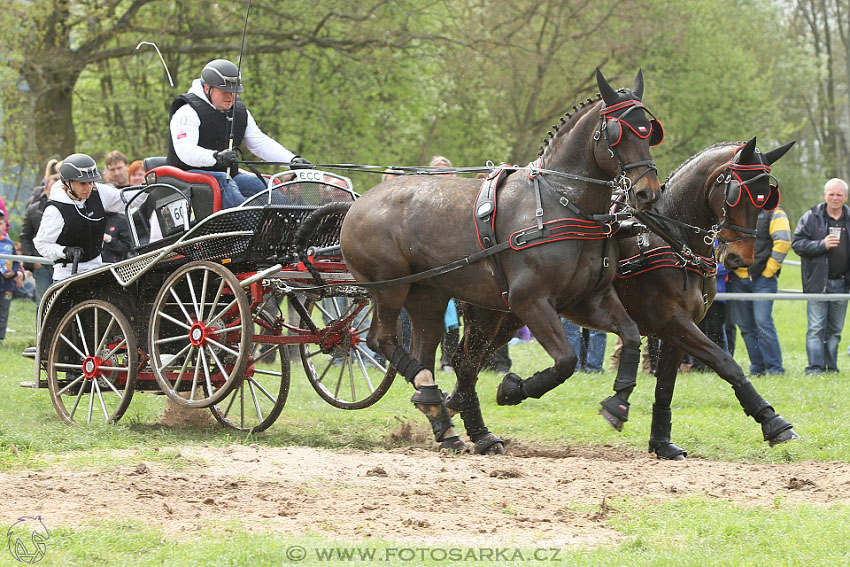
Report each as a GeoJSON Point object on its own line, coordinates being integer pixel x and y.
{"type": "Point", "coordinates": [155, 221]}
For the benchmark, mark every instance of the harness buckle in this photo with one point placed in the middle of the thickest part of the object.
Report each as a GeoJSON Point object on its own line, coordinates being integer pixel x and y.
{"type": "Point", "coordinates": [564, 201]}
{"type": "Point", "coordinates": [606, 262]}
{"type": "Point", "coordinates": [538, 212]}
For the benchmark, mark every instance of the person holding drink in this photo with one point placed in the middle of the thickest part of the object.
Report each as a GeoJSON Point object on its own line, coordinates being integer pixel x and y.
{"type": "Point", "coordinates": [821, 240]}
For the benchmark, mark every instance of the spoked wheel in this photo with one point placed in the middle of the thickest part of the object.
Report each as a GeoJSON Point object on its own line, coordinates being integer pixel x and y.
{"type": "Point", "coordinates": [199, 334]}
{"type": "Point", "coordinates": [92, 364]}
{"type": "Point", "coordinates": [340, 367]}
{"type": "Point", "coordinates": [257, 401]}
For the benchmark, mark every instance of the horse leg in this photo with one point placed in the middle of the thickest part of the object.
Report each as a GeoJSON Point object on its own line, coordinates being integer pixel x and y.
{"type": "Point", "coordinates": [427, 329]}
{"type": "Point", "coordinates": [477, 346]}
{"type": "Point", "coordinates": [604, 311]}
{"type": "Point", "coordinates": [669, 358]}
{"type": "Point", "coordinates": [545, 324]}
{"type": "Point", "coordinates": [684, 333]}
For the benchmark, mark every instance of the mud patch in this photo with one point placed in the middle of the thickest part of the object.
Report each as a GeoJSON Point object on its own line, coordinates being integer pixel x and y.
{"type": "Point", "coordinates": [564, 498]}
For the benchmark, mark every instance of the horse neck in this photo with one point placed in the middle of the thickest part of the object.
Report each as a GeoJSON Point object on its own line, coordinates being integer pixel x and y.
{"type": "Point", "coordinates": [686, 200]}
{"type": "Point", "coordinates": [571, 151]}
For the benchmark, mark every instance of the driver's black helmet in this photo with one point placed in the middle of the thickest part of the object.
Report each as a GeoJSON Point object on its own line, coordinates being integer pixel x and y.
{"type": "Point", "coordinates": [79, 167]}
{"type": "Point", "coordinates": [222, 74]}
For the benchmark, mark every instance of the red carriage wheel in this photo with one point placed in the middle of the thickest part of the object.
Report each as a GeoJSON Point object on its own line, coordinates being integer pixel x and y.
{"type": "Point", "coordinates": [340, 367]}
{"type": "Point", "coordinates": [92, 363]}
{"type": "Point", "coordinates": [199, 334]}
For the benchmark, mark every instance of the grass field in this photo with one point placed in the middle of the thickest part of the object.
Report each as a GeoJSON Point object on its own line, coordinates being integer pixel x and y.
{"type": "Point", "coordinates": [707, 421]}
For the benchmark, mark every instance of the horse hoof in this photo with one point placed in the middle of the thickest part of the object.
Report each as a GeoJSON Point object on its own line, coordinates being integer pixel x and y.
{"type": "Point", "coordinates": [489, 445]}
{"type": "Point", "coordinates": [783, 437]}
{"type": "Point", "coordinates": [453, 446]}
{"type": "Point", "coordinates": [667, 451]}
{"type": "Point", "coordinates": [612, 419]}
{"type": "Point", "coordinates": [615, 411]}
{"type": "Point", "coordinates": [777, 430]}
{"type": "Point", "coordinates": [510, 390]}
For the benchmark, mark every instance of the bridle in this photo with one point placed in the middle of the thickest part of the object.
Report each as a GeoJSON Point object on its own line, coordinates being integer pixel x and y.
{"type": "Point", "coordinates": [611, 121]}
{"type": "Point", "coordinates": [735, 183]}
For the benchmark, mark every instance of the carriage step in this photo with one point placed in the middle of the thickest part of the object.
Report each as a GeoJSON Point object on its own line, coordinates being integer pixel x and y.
{"type": "Point", "coordinates": [29, 352]}
{"type": "Point", "coordinates": [32, 384]}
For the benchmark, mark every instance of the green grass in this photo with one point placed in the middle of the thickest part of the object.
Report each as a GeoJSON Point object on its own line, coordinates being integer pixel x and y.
{"type": "Point", "coordinates": [695, 531]}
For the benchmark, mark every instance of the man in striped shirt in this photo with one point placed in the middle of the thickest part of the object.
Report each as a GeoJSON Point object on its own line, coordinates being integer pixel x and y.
{"type": "Point", "coordinates": [755, 318]}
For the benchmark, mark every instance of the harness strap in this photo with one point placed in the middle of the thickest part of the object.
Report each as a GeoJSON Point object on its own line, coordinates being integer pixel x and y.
{"type": "Point", "coordinates": [665, 257]}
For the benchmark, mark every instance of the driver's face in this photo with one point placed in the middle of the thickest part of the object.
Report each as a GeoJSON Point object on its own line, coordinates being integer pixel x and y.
{"type": "Point", "coordinates": [82, 189]}
{"type": "Point", "coordinates": [221, 100]}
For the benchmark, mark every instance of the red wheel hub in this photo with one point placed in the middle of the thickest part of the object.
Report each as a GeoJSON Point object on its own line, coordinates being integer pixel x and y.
{"type": "Point", "coordinates": [198, 334]}
{"type": "Point", "coordinates": [91, 366]}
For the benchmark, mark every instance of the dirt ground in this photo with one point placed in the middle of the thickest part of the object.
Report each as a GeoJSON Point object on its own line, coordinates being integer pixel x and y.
{"type": "Point", "coordinates": [549, 496]}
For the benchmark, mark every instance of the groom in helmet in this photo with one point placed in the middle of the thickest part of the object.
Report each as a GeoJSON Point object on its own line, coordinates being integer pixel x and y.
{"type": "Point", "coordinates": [75, 217]}
{"type": "Point", "coordinates": [201, 127]}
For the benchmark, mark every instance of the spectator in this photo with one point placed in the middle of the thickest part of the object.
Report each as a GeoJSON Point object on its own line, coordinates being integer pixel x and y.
{"type": "Point", "coordinates": [821, 240]}
{"type": "Point", "coordinates": [3, 210]}
{"type": "Point", "coordinates": [136, 173]}
{"type": "Point", "coordinates": [24, 282]}
{"type": "Point", "coordinates": [200, 137]}
{"type": "Point", "coordinates": [43, 275]}
{"type": "Point", "coordinates": [75, 217]}
{"type": "Point", "coordinates": [588, 344]}
{"type": "Point", "coordinates": [117, 170]}
{"type": "Point", "coordinates": [9, 270]}
{"type": "Point", "coordinates": [755, 318]}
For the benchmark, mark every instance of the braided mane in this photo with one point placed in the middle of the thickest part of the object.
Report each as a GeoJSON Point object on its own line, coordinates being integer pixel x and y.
{"type": "Point", "coordinates": [700, 154]}
{"type": "Point", "coordinates": [567, 122]}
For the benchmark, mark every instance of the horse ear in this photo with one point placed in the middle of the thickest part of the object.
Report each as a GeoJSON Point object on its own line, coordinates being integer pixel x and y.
{"type": "Point", "coordinates": [774, 155]}
{"type": "Point", "coordinates": [746, 153]}
{"type": "Point", "coordinates": [637, 88]}
{"type": "Point", "coordinates": [608, 94]}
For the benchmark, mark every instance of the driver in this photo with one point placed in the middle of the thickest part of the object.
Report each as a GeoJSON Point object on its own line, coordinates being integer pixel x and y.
{"type": "Point", "coordinates": [75, 217]}
{"type": "Point", "coordinates": [200, 133]}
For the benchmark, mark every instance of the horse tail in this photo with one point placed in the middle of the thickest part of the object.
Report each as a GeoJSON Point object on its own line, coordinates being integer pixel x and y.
{"type": "Point", "coordinates": [303, 236]}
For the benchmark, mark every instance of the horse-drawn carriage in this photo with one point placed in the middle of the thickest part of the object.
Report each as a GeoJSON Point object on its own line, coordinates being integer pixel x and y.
{"type": "Point", "coordinates": [201, 310]}
{"type": "Point", "coordinates": [213, 305]}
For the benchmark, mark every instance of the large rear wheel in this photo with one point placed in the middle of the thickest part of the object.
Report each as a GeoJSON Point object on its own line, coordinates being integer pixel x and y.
{"type": "Point", "coordinates": [199, 334]}
{"type": "Point", "coordinates": [92, 363]}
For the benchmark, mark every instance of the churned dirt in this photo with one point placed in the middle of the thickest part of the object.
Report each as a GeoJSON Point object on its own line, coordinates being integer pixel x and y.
{"type": "Point", "coordinates": [559, 496]}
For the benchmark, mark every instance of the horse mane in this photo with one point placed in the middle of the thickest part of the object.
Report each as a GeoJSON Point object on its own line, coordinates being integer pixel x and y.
{"type": "Point", "coordinates": [568, 121]}
{"type": "Point", "coordinates": [699, 154]}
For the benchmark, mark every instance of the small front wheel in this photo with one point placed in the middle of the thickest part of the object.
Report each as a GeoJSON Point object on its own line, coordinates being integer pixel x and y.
{"type": "Point", "coordinates": [340, 367]}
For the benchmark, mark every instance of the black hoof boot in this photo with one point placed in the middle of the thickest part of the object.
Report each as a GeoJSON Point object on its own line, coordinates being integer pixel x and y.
{"type": "Point", "coordinates": [454, 446]}
{"type": "Point", "coordinates": [510, 391]}
{"type": "Point", "coordinates": [615, 411]}
{"type": "Point", "coordinates": [778, 430]}
{"type": "Point", "coordinates": [489, 444]}
{"type": "Point", "coordinates": [666, 451]}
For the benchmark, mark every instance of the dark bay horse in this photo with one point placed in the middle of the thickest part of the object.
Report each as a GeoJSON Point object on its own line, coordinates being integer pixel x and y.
{"type": "Point", "coordinates": [668, 288]}
{"type": "Point", "coordinates": [553, 255]}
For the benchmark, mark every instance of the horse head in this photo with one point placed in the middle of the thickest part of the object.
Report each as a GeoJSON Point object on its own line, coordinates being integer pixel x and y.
{"type": "Point", "coordinates": [737, 195]}
{"type": "Point", "coordinates": [625, 133]}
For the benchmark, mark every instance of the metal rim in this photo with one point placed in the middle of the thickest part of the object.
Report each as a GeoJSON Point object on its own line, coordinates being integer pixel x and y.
{"type": "Point", "coordinates": [199, 334]}
{"type": "Point", "coordinates": [92, 364]}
